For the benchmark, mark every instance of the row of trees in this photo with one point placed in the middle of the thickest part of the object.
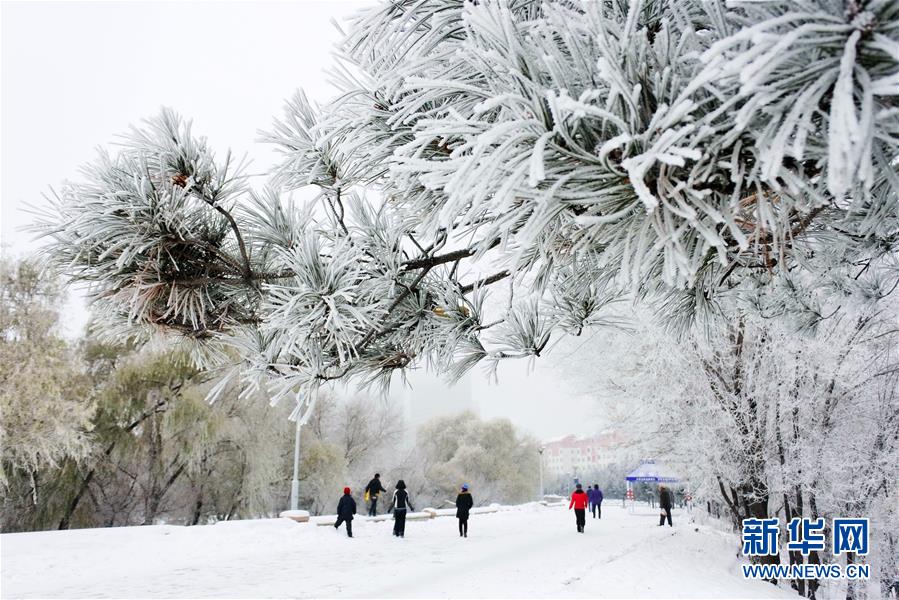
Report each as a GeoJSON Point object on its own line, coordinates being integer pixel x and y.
{"type": "Point", "coordinates": [98, 434]}
{"type": "Point", "coordinates": [610, 478]}
{"type": "Point", "coordinates": [765, 421]}
{"type": "Point", "coordinates": [101, 434]}
{"type": "Point", "coordinates": [354, 439]}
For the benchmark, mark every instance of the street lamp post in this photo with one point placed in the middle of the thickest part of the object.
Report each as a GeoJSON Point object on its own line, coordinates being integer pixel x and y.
{"type": "Point", "coordinates": [302, 412]}
{"type": "Point", "coordinates": [295, 482]}
{"type": "Point", "coordinates": [542, 448]}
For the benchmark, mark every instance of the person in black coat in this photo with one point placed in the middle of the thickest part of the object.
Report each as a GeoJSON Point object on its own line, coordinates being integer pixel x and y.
{"type": "Point", "coordinates": [597, 502]}
{"type": "Point", "coordinates": [665, 505]}
{"type": "Point", "coordinates": [464, 502]}
{"type": "Point", "coordinates": [346, 508]}
{"type": "Point", "coordinates": [400, 505]}
{"type": "Point", "coordinates": [373, 489]}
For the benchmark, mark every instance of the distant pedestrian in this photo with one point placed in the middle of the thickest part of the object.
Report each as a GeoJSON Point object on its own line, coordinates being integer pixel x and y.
{"type": "Point", "coordinates": [664, 505]}
{"type": "Point", "coordinates": [372, 490]}
{"type": "Point", "coordinates": [346, 508]}
{"type": "Point", "coordinates": [595, 497]}
{"type": "Point", "coordinates": [464, 502]}
{"type": "Point", "coordinates": [579, 503]}
{"type": "Point", "coordinates": [400, 505]}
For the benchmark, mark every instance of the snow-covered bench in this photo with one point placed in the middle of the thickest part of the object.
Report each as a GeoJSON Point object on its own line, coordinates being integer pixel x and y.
{"type": "Point", "coordinates": [415, 516]}
{"type": "Point", "coordinates": [300, 516]}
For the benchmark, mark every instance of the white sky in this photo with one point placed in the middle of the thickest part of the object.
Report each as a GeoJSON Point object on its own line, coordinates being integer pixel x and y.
{"type": "Point", "coordinates": [75, 74]}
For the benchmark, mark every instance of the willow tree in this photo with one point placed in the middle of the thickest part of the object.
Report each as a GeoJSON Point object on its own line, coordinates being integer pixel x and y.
{"type": "Point", "coordinates": [685, 154]}
{"type": "Point", "coordinates": [45, 395]}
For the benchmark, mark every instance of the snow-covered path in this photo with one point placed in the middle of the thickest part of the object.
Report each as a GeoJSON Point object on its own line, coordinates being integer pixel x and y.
{"type": "Point", "coordinates": [532, 551]}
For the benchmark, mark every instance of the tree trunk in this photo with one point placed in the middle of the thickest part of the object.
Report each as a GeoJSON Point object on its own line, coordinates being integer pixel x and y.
{"type": "Point", "coordinates": [154, 470]}
{"type": "Point", "coordinates": [757, 508]}
{"type": "Point", "coordinates": [198, 508]}
{"type": "Point", "coordinates": [66, 520]}
{"type": "Point", "coordinates": [813, 557]}
{"type": "Point", "coordinates": [850, 584]}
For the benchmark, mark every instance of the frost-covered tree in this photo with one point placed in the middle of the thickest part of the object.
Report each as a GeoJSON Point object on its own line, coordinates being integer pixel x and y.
{"type": "Point", "coordinates": [684, 153]}
{"type": "Point", "coordinates": [98, 435]}
{"type": "Point", "coordinates": [367, 431]}
{"type": "Point", "coordinates": [499, 463]}
{"type": "Point", "coordinates": [165, 454]}
{"type": "Point", "coordinates": [324, 476]}
{"type": "Point", "coordinates": [45, 400]}
{"type": "Point", "coordinates": [764, 420]}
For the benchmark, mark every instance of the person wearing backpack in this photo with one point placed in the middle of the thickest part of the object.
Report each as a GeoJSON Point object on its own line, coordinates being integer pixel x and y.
{"type": "Point", "coordinates": [400, 505]}
{"type": "Point", "coordinates": [464, 502]}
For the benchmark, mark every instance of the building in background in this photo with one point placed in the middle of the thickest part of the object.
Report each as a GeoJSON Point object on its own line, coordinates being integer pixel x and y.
{"type": "Point", "coordinates": [574, 456]}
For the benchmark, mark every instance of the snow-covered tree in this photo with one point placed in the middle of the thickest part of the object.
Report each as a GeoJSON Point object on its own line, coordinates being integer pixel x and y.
{"type": "Point", "coordinates": [365, 429]}
{"type": "Point", "coordinates": [682, 152]}
{"type": "Point", "coordinates": [765, 420]}
{"type": "Point", "coordinates": [499, 463]}
{"type": "Point", "coordinates": [324, 476]}
{"type": "Point", "coordinates": [45, 398]}
{"type": "Point", "coordinates": [168, 455]}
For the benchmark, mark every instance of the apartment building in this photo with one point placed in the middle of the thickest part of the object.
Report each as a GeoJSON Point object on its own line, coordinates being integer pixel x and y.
{"type": "Point", "coordinates": [572, 455]}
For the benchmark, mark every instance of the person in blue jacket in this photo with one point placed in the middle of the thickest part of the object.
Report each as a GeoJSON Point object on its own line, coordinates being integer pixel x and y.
{"type": "Point", "coordinates": [595, 495]}
{"type": "Point", "coordinates": [346, 508]}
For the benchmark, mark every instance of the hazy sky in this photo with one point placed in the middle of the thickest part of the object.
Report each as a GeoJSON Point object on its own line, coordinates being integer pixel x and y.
{"type": "Point", "coordinates": [76, 74]}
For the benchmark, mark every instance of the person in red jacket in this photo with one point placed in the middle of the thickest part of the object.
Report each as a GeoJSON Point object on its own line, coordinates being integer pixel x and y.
{"type": "Point", "coordinates": [579, 503]}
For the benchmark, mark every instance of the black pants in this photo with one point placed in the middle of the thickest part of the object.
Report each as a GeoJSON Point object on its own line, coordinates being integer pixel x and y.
{"type": "Point", "coordinates": [399, 522]}
{"type": "Point", "coordinates": [373, 509]}
{"type": "Point", "coordinates": [597, 510]}
{"type": "Point", "coordinates": [349, 525]}
{"type": "Point", "coordinates": [463, 526]}
{"type": "Point", "coordinates": [580, 514]}
{"type": "Point", "coordinates": [662, 517]}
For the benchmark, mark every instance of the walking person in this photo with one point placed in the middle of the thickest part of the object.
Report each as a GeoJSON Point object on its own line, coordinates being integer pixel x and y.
{"type": "Point", "coordinates": [464, 502]}
{"type": "Point", "coordinates": [597, 499]}
{"type": "Point", "coordinates": [664, 505]}
{"type": "Point", "coordinates": [346, 508]}
{"type": "Point", "coordinates": [579, 503]}
{"type": "Point", "coordinates": [591, 499]}
{"type": "Point", "coordinates": [372, 490]}
{"type": "Point", "coordinates": [400, 504]}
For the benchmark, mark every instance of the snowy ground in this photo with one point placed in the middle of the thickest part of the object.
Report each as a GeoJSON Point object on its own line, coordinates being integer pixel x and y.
{"type": "Point", "coordinates": [530, 551]}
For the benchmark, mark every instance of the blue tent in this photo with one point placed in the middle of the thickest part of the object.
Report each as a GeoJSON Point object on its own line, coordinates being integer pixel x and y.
{"type": "Point", "coordinates": [650, 472]}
